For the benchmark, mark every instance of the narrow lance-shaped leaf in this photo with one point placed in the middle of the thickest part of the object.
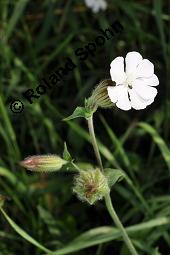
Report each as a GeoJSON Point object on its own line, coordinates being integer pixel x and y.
{"type": "Point", "coordinates": [22, 233]}
{"type": "Point", "coordinates": [2, 200]}
{"type": "Point", "coordinates": [158, 140]}
{"type": "Point", "coordinates": [106, 234]}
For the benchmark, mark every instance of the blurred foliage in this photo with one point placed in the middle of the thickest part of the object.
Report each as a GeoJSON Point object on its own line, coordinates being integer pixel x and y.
{"type": "Point", "coordinates": [35, 38]}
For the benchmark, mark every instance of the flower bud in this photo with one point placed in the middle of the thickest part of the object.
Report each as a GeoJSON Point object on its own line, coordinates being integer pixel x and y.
{"type": "Point", "coordinates": [100, 97]}
{"type": "Point", "coordinates": [91, 185]}
{"type": "Point", "coordinates": [43, 163]}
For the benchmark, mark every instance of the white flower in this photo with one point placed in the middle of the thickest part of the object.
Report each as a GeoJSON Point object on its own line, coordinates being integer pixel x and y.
{"type": "Point", "coordinates": [96, 5]}
{"type": "Point", "coordinates": [134, 84]}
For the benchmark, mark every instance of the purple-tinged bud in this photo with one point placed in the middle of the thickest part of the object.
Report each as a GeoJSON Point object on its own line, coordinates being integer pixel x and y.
{"type": "Point", "coordinates": [43, 163]}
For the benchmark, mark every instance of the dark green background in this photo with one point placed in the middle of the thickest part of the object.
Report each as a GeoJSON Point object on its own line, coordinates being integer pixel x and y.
{"type": "Point", "coordinates": [35, 38]}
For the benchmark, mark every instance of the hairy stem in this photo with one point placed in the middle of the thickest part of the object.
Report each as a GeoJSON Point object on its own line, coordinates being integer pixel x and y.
{"type": "Point", "coordinates": [108, 201]}
{"type": "Point", "coordinates": [119, 225]}
{"type": "Point", "coordinates": [94, 142]}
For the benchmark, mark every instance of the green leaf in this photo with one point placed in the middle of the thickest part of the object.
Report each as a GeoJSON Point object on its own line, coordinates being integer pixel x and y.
{"type": "Point", "coordinates": [16, 15]}
{"type": "Point", "coordinates": [106, 234]}
{"type": "Point", "coordinates": [156, 252]}
{"type": "Point", "coordinates": [158, 7]}
{"type": "Point", "coordinates": [158, 140]}
{"type": "Point", "coordinates": [117, 143]}
{"type": "Point", "coordinates": [113, 176]}
{"type": "Point", "coordinates": [66, 154]}
{"type": "Point", "coordinates": [2, 200]}
{"type": "Point", "coordinates": [80, 112]}
{"type": "Point", "coordinates": [22, 233]}
{"type": "Point", "coordinates": [12, 178]}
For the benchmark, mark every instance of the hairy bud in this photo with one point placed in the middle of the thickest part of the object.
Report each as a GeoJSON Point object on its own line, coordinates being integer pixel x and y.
{"type": "Point", "coordinates": [100, 97]}
{"type": "Point", "coordinates": [43, 163]}
{"type": "Point", "coordinates": [91, 186]}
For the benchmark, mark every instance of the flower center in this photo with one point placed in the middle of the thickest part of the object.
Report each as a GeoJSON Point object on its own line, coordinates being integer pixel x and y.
{"type": "Point", "coordinates": [128, 82]}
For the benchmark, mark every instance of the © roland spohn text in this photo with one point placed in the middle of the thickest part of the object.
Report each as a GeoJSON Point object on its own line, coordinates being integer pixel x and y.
{"type": "Point", "coordinates": [61, 72]}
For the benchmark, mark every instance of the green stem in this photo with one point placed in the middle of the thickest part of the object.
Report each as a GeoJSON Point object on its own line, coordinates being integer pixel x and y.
{"type": "Point", "coordinates": [76, 167]}
{"type": "Point", "coordinates": [94, 142]}
{"type": "Point", "coordinates": [108, 201]}
{"type": "Point", "coordinates": [119, 225]}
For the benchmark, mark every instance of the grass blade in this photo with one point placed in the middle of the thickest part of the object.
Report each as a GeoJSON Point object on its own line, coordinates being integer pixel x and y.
{"type": "Point", "coordinates": [105, 234]}
{"type": "Point", "coordinates": [158, 140]}
{"type": "Point", "coordinates": [19, 9]}
{"type": "Point", "coordinates": [22, 233]}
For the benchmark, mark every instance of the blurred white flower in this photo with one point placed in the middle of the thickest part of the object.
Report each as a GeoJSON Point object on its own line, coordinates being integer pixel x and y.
{"type": "Point", "coordinates": [96, 5]}
{"type": "Point", "coordinates": [134, 83]}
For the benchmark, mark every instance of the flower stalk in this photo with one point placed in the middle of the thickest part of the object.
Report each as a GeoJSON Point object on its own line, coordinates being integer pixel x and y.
{"type": "Point", "coordinates": [108, 201]}
{"type": "Point", "coordinates": [94, 142]}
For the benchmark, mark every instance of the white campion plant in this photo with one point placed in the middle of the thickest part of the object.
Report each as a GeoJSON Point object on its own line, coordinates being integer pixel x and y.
{"type": "Point", "coordinates": [135, 82]}
{"type": "Point", "coordinates": [96, 5]}
{"type": "Point", "coordinates": [132, 86]}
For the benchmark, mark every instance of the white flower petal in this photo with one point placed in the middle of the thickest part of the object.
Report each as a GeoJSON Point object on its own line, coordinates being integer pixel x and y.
{"type": "Point", "coordinates": [114, 92]}
{"type": "Point", "coordinates": [96, 5]}
{"type": "Point", "coordinates": [123, 99]}
{"type": "Point", "coordinates": [119, 95]}
{"type": "Point", "coordinates": [136, 101]}
{"type": "Point", "coordinates": [117, 70]}
{"type": "Point", "coordinates": [144, 91]}
{"type": "Point", "coordinates": [89, 3]}
{"type": "Point", "coordinates": [151, 81]}
{"type": "Point", "coordinates": [103, 4]}
{"type": "Point", "coordinates": [150, 101]}
{"type": "Point", "coordinates": [145, 69]}
{"type": "Point", "coordinates": [133, 59]}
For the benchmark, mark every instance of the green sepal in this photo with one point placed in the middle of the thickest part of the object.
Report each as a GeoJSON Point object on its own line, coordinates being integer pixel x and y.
{"type": "Point", "coordinates": [66, 154]}
{"type": "Point", "coordinates": [113, 176]}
